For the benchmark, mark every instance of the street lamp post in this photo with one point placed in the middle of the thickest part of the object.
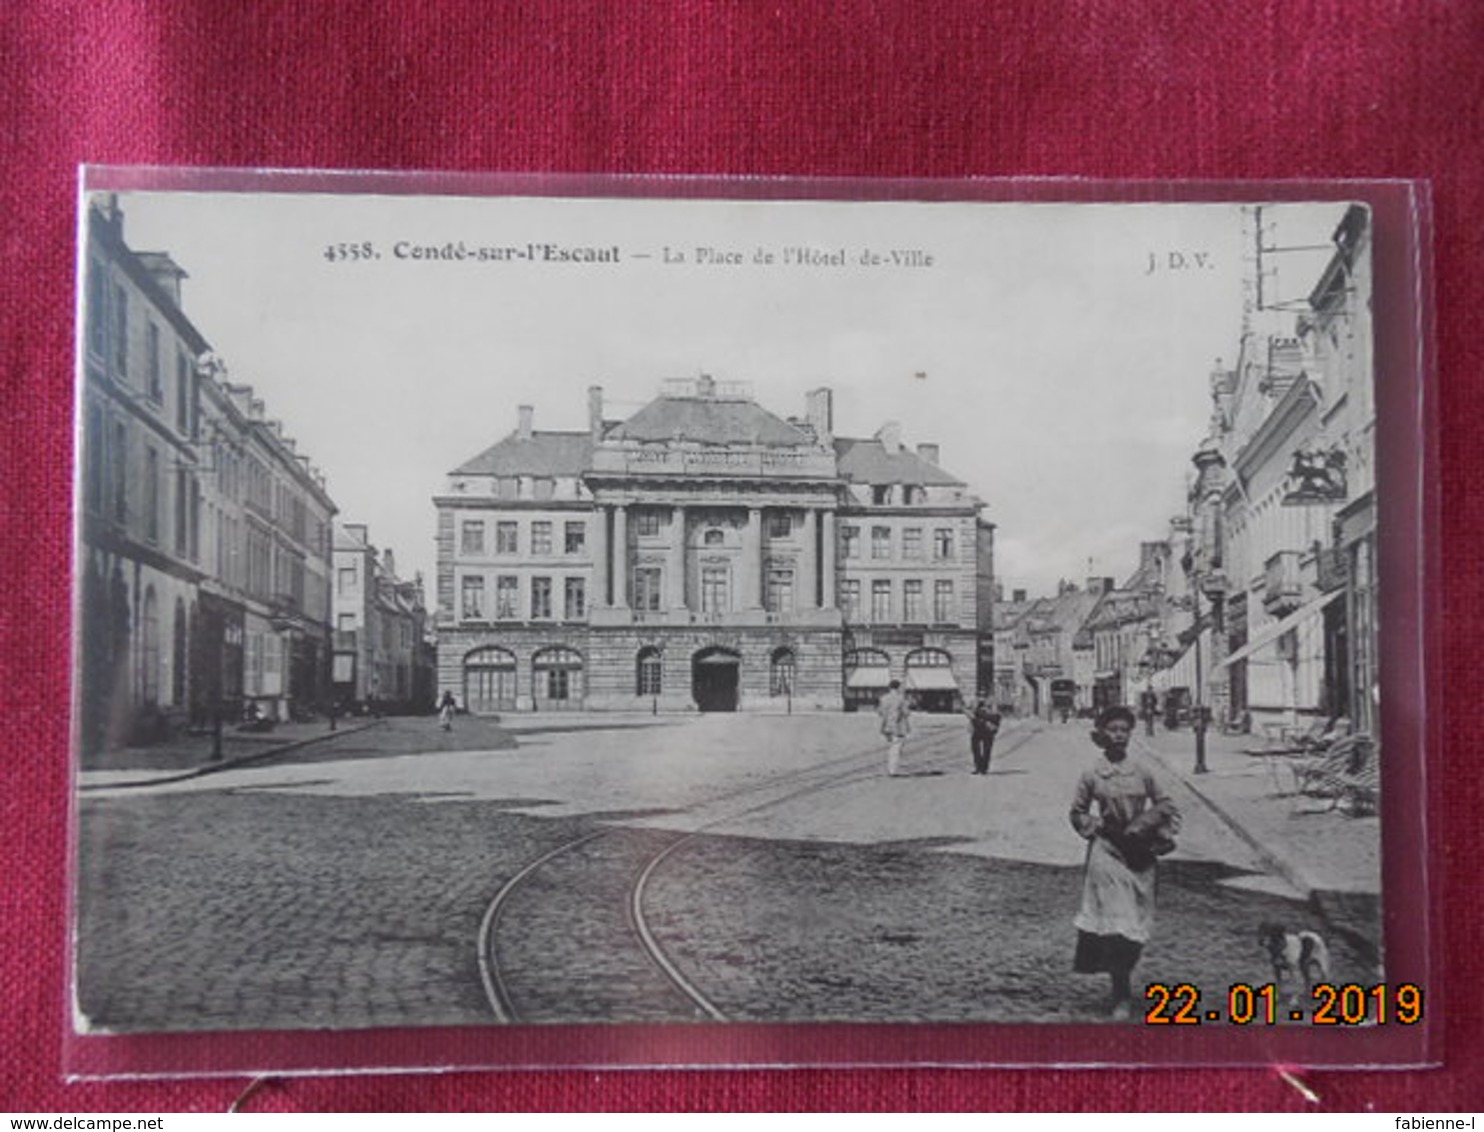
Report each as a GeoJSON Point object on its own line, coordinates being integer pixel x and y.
{"type": "Point", "coordinates": [1198, 708]}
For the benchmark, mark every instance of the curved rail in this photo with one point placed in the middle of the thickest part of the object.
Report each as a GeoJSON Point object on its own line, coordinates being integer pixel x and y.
{"type": "Point", "coordinates": [496, 990]}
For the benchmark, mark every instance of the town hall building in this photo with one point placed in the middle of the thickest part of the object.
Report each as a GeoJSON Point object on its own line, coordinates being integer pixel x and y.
{"type": "Point", "coordinates": [706, 554]}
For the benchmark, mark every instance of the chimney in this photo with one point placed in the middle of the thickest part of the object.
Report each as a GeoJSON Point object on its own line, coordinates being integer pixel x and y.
{"type": "Point", "coordinates": [595, 412]}
{"type": "Point", "coordinates": [164, 271]}
{"type": "Point", "coordinates": [1017, 595]}
{"type": "Point", "coordinates": [928, 452]}
{"type": "Point", "coordinates": [527, 417]}
{"type": "Point", "coordinates": [389, 562]}
{"type": "Point", "coordinates": [819, 409]}
{"type": "Point", "coordinates": [890, 435]}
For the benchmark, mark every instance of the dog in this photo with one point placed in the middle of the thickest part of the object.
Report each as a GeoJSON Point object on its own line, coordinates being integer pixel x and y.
{"type": "Point", "coordinates": [1300, 959]}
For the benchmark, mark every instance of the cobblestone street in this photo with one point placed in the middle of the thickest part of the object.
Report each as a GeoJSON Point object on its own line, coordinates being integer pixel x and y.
{"type": "Point", "coordinates": [343, 885]}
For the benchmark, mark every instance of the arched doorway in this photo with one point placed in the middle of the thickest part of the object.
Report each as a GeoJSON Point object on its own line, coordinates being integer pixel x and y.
{"type": "Point", "coordinates": [489, 681]}
{"type": "Point", "coordinates": [930, 680]}
{"type": "Point", "coordinates": [867, 674]}
{"type": "Point", "coordinates": [715, 677]}
{"type": "Point", "coordinates": [556, 679]}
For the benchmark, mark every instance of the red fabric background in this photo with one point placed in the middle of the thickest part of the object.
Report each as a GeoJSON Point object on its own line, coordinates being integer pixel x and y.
{"type": "Point", "coordinates": [1103, 88]}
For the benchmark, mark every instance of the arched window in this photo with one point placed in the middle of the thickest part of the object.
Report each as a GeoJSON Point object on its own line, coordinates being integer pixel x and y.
{"type": "Point", "coordinates": [649, 676]}
{"type": "Point", "coordinates": [714, 537]}
{"type": "Point", "coordinates": [149, 660]}
{"type": "Point", "coordinates": [929, 658]}
{"type": "Point", "coordinates": [782, 672]}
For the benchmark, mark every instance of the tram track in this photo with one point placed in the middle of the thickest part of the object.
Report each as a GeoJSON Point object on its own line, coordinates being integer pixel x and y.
{"type": "Point", "coordinates": [541, 917]}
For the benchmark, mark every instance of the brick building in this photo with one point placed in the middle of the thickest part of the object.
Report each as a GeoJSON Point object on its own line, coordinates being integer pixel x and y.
{"type": "Point", "coordinates": [707, 554]}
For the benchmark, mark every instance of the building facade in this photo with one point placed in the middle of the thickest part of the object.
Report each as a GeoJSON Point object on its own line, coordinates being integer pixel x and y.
{"type": "Point", "coordinates": [1282, 509]}
{"type": "Point", "coordinates": [383, 661]}
{"type": "Point", "coordinates": [706, 554]}
{"type": "Point", "coordinates": [203, 551]}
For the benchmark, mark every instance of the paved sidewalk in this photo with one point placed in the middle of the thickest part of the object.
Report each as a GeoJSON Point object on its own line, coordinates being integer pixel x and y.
{"type": "Point", "coordinates": [192, 754]}
{"type": "Point", "coordinates": [1330, 856]}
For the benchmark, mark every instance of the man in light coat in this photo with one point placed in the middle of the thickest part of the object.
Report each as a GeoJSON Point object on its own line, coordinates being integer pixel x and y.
{"type": "Point", "coordinates": [896, 723]}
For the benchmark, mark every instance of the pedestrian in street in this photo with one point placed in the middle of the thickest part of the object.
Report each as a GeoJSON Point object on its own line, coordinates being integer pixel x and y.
{"type": "Point", "coordinates": [896, 723]}
{"type": "Point", "coordinates": [984, 725]}
{"type": "Point", "coordinates": [446, 708]}
{"type": "Point", "coordinates": [1134, 822]}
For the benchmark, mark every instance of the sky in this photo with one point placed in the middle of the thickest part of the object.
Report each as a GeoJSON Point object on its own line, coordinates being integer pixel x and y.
{"type": "Point", "coordinates": [1059, 355]}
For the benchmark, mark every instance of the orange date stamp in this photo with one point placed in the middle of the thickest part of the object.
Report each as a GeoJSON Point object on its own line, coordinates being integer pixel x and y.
{"type": "Point", "coordinates": [1267, 1004]}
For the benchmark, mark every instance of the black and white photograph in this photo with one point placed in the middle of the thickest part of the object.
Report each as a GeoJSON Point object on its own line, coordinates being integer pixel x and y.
{"type": "Point", "coordinates": [514, 610]}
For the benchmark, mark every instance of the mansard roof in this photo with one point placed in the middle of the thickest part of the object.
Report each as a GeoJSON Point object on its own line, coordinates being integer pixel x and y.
{"type": "Point", "coordinates": [868, 461]}
{"type": "Point", "coordinates": [709, 420]}
{"type": "Point", "coordinates": [542, 454]}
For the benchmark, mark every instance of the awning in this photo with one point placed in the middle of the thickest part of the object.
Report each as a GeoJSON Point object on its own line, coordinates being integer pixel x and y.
{"type": "Point", "coordinates": [871, 676]}
{"type": "Point", "coordinates": [1181, 674]}
{"type": "Point", "coordinates": [931, 680]}
{"type": "Point", "coordinates": [1270, 633]}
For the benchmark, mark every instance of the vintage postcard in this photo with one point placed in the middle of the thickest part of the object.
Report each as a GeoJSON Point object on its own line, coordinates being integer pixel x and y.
{"type": "Point", "coordinates": [511, 608]}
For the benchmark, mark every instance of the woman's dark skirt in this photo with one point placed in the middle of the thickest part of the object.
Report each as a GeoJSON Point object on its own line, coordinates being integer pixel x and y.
{"type": "Point", "coordinates": [1114, 953]}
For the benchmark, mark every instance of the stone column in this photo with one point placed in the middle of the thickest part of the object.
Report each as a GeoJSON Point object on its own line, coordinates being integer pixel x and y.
{"type": "Point", "coordinates": [828, 566]}
{"type": "Point", "coordinates": [750, 582]}
{"type": "Point", "coordinates": [600, 558]}
{"type": "Point", "coordinates": [621, 557]}
{"type": "Point", "coordinates": [806, 596]}
{"type": "Point", "coordinates": [676, 580]}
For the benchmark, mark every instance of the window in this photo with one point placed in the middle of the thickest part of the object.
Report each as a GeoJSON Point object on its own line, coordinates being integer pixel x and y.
{"type": "Point", "coordinates": [558, 674]}
{"type": "Point", "coordinates": [881, 600]}
{"type": "Point", "coordinates": [473, 599]}
{"type": "Point", "coordinates": [97, 298]}
{"type": "Point", "coordinates": [93, 443]}
{"type": "Point", "coordinates": [912, 495]}
{"type": "Point", "coordinates": [507, 598]}
{"type": "Point", "coordinates": [943, 601]}
{"type": "Point", "coordinates": [347, 578]}
{"type": "Point", "coordinates": [540, 599]}
{"type": "Point", "coordinates": [576, 538]}
{"type": "Point", "coordinates": [121, 331]}
{"type": "Point", "coordinates": [647, 523]}
{"type": "Point", "coordinates": [576, 596]}
{"type": "Point", "coordinates": [912, 600]}
{"type": "Point", "coordinates": [471, 540]}
{"type": "Point", "coordinates": [182, 512]}
{"type": "Point", "coordinates": [912, 543]}
{"type": "Point", "coordinates": [881, 494]}
{"type": "Point", "coordinates": [880, 542]}
{"type": "Point", "coordinates": [780, 524]}
{"type": "Point", "coordinates": [183, 391]}
{"type": "Point", "coordinates": [851, 538]}
{"type": "Point", "coordinates": [346, 622]}
{"type": "Point", "coordinates": [850, 599]}
{"type": "Point", "coordinates": [119, 459]}
{"type": "Point", "coordinates": [150, 660]}
{"type": "Point", "coordinates": [943, 544]}
{"type": "Point", "coordinates": [647, 588]}
{"type": "Point", "coordinates": [541, 537]}
{"type": "Point", "coordinates": [715, 595]}
{"type": "Point", "coordinates": [649, 677]}
{"type": "Point", "coordinates": [152, 495]}
{"type": "Point", "coordinates": [154, 381]}
{"type": "Point", "coordinates": [780, 590]}
{"type": "Point", "coordinates": [507, 540]}
{"type": "Point", "coordinates": [781, 673]}
{"type": "Point", "coordinates": [714, 538]}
